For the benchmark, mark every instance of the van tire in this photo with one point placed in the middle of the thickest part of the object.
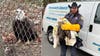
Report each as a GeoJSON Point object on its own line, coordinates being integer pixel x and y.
{"type": "Point", "coordinates": [50, 37]}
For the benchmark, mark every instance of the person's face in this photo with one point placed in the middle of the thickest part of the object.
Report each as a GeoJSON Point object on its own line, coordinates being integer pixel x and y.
{"type": "Point", "coordinates": [74, 10]}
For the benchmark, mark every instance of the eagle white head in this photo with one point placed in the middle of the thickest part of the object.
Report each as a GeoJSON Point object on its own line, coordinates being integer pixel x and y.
{"type": "Point", "coordinates": [20, 14]}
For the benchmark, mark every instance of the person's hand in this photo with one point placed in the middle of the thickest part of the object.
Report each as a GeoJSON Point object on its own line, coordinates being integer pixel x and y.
{"type": "Point", "coordinates": [75, 27]}
{"type": "Point", "coordinates": [66, 26]}
{"type": "Point", "coordinates": [69, 26]}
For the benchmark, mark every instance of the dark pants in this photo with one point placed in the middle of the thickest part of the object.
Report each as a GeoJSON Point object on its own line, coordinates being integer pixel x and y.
{"type": "Point", "coordinates": [64, 50]}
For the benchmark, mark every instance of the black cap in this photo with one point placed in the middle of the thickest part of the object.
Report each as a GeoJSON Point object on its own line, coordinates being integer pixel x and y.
{"type": "Point", "coordinates": [74, 4]}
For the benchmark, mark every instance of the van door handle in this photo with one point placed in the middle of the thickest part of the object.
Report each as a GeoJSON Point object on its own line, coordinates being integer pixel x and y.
{"type": "Point", "coordinates": [90, 28]}
{"type": "Point", "coordinates": [95, 16]}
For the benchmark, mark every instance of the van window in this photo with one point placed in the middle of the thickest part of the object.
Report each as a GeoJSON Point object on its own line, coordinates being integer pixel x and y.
{"type": "Point", "coordinates": [97, 15]}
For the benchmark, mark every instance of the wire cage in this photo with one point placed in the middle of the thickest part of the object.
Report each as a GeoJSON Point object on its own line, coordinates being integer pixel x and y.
{"type": "Point", "coordinates": [16, 34]}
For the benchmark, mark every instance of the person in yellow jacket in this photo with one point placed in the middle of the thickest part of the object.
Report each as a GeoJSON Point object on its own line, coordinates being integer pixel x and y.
{"type": "Point", "coordinates": [76, 23]}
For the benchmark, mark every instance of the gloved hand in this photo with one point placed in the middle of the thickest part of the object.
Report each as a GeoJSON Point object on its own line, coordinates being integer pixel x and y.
{"type": "Point", "coordinates": [69, 26]}
{"type": "Point", "coordinates": [75, 27]}
{"type": "Point", "coordinates": [66, 26]}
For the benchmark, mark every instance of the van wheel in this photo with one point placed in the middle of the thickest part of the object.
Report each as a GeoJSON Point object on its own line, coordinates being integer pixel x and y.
{"type": "Point", "coordinates": [50, 37]}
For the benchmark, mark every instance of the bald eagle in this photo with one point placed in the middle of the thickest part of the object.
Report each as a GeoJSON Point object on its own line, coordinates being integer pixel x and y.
{"type": "Point", "coordinates": [22, 28]}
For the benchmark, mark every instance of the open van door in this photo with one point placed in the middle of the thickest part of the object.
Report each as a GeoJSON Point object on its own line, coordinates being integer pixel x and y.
{"type": "Point", "coordinates": [93, 39]}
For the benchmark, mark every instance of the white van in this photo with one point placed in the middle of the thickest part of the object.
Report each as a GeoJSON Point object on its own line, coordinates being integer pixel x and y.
{"type": "Point", "coordinates": [90, 33]}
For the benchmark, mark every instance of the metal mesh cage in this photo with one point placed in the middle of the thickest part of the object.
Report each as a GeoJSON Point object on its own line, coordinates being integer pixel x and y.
{"type": "Point", "coordinates": [12, 30]}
